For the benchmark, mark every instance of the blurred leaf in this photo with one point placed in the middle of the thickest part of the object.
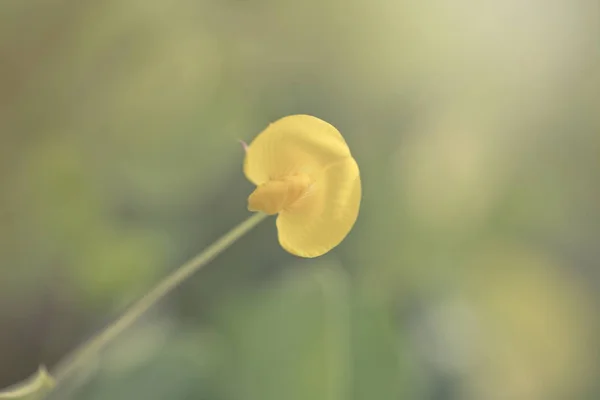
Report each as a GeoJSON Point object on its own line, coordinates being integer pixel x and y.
{"type": "Point", "coordinates": [117, 265]}
{"type": "Point", "coordinates": [33, 388]}
{"type": "Point", "coordinates": [153, 361]}
{"type": "Point", "coordinates": [290, 340]}
{"type": "Point", "coordinates": [382, 364]}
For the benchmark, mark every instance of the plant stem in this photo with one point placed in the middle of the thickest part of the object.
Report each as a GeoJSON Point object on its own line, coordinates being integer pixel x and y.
{"type": "Point", "coordinates": [90, 349]}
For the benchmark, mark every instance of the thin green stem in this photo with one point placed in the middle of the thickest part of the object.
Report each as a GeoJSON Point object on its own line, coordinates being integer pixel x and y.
{"type": "Point", "coordinates": [91, 348]}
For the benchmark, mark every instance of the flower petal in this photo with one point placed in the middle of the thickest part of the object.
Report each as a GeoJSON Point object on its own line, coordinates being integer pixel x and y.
{"type": "Point", "coordinates": [323, 218]}
{"type": "Point", "coordinates": [293, 144]}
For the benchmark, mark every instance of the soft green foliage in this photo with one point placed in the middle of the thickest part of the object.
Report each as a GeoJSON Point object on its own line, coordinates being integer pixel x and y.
{"type": "Point", "coordinates": [472, 272]}
{"type": "Point", "coordinates": [290, 340]}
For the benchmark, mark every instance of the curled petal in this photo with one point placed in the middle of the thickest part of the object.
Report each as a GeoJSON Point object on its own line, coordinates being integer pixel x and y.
{"type": "Point", "coordinates": [297, 144]}
{"type": "Point", "coordinates": [325, 215]}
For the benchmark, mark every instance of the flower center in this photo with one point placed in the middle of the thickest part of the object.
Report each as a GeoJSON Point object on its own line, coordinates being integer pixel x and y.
{"type": "Point", "coordinates": [276, 195]}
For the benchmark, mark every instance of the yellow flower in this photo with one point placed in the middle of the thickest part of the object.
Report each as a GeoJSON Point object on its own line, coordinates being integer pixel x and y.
{"type": "Point", "coordinates": [304, 172]}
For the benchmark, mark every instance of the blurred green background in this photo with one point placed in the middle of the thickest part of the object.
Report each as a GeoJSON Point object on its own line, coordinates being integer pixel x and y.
{"type": "Point", "coordinates": [472, 272]}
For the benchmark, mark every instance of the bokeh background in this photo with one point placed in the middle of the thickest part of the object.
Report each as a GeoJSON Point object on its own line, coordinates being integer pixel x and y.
{"type": "Point", "coordinates": [472, 272]}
